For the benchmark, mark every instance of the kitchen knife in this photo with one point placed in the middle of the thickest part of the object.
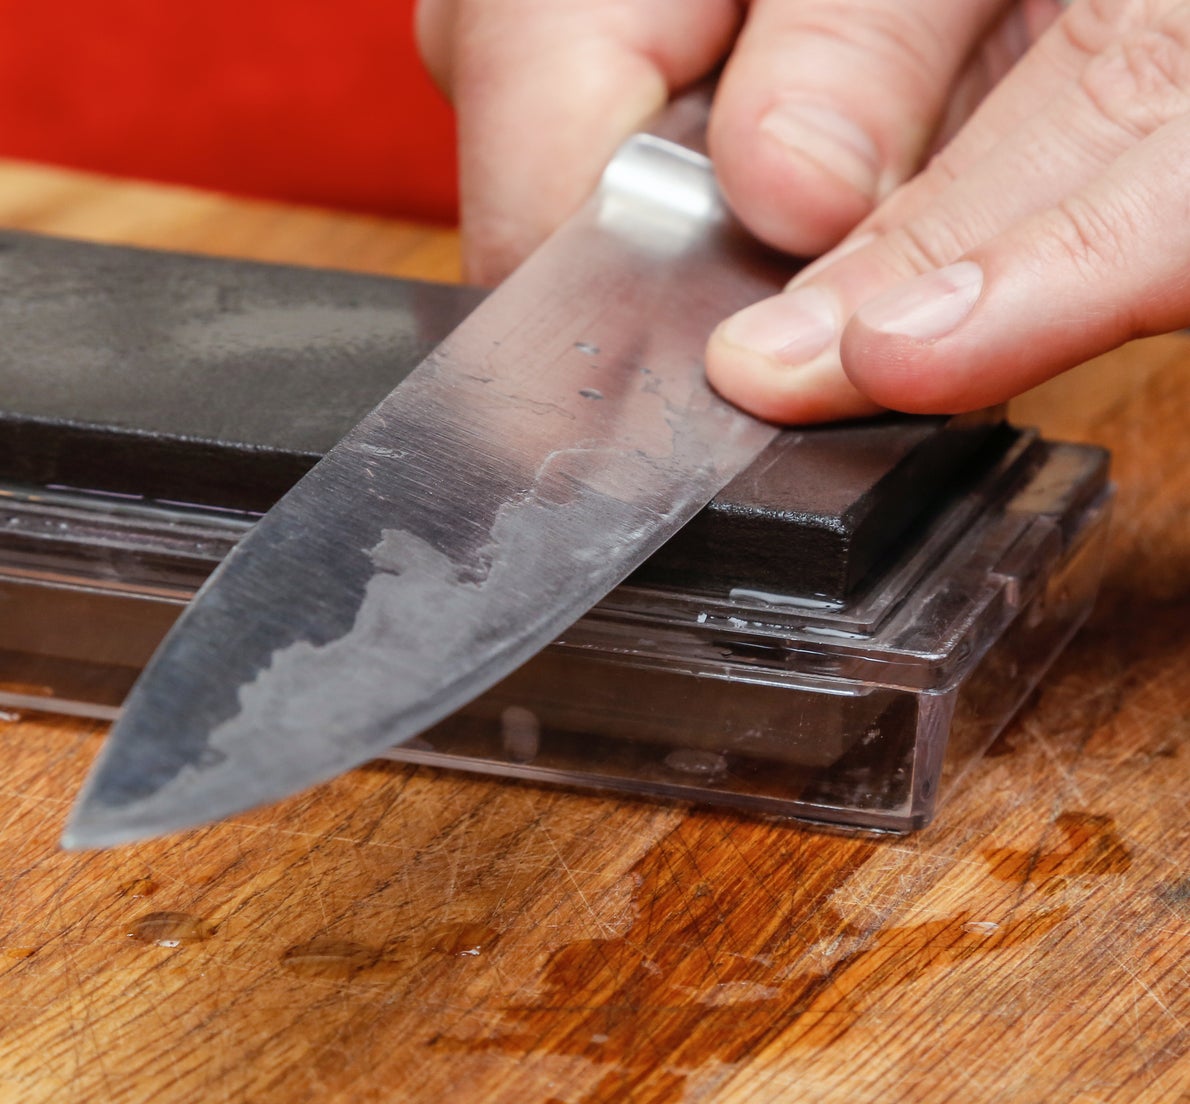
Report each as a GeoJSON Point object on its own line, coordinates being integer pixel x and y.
{"type": "Point", "coordinates": [556, 439]}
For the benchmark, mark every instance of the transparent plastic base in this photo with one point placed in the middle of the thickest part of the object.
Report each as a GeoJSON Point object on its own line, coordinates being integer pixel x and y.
{"type": "Point", "coordinates": [857, 714]}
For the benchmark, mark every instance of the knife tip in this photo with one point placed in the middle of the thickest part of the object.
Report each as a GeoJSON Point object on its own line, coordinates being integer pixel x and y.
{"type": "Point", "coordinates": [94, 825]}
{"type": "Point", "coordinates": [88, 833]}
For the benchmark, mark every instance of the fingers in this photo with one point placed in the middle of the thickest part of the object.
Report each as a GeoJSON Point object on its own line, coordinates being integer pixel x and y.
{"type": "Point", "coordinates": [827, 105]}
{"type": "Point", "coordinates": [545, 90]}
{"type": "Point", "coordinates": [1083, 142]}
{"type": "Point", "coordinates": [1105, 265]}
{"type": "Point", "coordinates": [779, 360]}
{"type": "Point", "coordinates": [997, 53]}
{"type": "Point", "coordinates": [979, 118]}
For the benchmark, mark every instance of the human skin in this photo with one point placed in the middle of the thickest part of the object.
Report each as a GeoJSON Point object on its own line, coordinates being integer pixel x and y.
{"type": "Point", "coordinates": [1000, 188]}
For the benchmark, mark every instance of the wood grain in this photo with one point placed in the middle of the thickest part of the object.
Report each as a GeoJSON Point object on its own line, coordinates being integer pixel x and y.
{"type": "Point", "coordinates": [406, 934]}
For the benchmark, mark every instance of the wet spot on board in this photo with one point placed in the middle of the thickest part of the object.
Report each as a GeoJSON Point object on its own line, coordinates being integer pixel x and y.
{"type": "Point", "coordinates": [333, 959]}
{"type": "Point", "coordinates": [170, 929]}
{"type": "Point", "coordinates": [461, 940]}
{"type": "Point", "coordinates": [1090, 846]}
{"type": "Point", "coordinates": [721, 986]}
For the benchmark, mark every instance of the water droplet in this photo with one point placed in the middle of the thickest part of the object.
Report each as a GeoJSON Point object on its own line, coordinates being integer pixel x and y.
{"type": "Point", "coordinates": [587, 347]}
{"type": "Point", "coordinates": [9, 716]}
{"type": "Point", "coordinates": [590, 393]}
{"type": "Point", "coordinates": [170, 929]}
{"type": "Point", "coordinates": [138, 887]}
{"type": "Point", "coordinates": [520, 734]}
{"type": "Point", "coordinates": [981, 927]}
{"type": "Point", "coordinates": [461, 940]}
{"type": "Point", "coordinates": [329, 958]}
{"type": "Point", "coordinates": [696, 761]}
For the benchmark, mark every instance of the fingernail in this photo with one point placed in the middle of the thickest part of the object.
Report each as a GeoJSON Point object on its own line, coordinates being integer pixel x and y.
{"type": "Point", "coordinates": [791, 328]}
{"type": "Point", "coordinates": [927, 307]}
{"type": "Point", "coordinates": [829, 138]}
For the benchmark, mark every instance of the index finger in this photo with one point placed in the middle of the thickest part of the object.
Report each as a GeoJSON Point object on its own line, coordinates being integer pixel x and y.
{"type": "Point", "coordinates": [545, 90]}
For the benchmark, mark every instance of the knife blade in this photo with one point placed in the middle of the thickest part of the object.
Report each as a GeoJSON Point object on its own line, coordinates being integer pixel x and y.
{"type": "Point", "coordinates": [555, 440]}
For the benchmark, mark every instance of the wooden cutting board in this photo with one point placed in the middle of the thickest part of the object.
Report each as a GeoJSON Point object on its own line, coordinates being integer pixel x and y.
{"type": "Point", "coordinates": [413, 935]}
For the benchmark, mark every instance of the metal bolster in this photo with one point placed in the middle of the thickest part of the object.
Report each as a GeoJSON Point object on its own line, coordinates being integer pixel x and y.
{"type": "Point", "coordinates": [654, 177]}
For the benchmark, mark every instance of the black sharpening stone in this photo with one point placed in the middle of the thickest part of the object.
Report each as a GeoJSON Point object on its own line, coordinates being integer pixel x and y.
{"type": "Point", "coordinates": [220, 383]}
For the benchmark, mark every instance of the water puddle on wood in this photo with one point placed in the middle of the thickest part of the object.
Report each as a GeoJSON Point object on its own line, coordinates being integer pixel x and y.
{"type": "Point", "coordinates": [461, 940]}
{"type": "Point", "coordinates": [170, 929]}
{"type": "Point", "coordinates": [337, 959]}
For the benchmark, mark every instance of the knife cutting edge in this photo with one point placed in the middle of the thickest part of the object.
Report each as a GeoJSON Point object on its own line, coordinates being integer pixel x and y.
{"type": "Point", "coordinates": [555, 440]}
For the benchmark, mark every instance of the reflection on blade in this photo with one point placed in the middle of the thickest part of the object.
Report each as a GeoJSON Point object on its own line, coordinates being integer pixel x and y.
{"type": "Point", "coordinates": [552, 443]}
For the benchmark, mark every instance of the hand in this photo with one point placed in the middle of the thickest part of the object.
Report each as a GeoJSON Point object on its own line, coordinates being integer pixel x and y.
{"type": "Point", "coordinates": [825, 108]}
{"type": "Point", "coordinates": [545, 90]}
{"type": "Point", "coordinates": [1053, 227]}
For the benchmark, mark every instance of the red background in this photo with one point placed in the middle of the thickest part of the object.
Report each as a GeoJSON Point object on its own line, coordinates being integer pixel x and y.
{"type": "Point", "coordinates": [305, 100]}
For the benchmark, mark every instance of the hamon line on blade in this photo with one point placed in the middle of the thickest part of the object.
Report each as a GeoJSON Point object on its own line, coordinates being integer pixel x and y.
{"type": "Point", "coordinates": [541, 453]}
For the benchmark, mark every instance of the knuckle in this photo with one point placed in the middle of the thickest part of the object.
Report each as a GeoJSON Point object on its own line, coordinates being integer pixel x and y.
{"type": "Point", "coordinates": [922, 247]}
{"type": "Point", "coordinates": [918, 193]}
{"type": "Point", "coordinates": [1095, 238]}
{"type": "Point", "coordinates": [905, 46]}
{"type": "Point", "coordinates": [1143, 79]}
{"type": "Point", "coordinates": [943, 169]}
{"type": "Point", "coordinates": [1090, 26]}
